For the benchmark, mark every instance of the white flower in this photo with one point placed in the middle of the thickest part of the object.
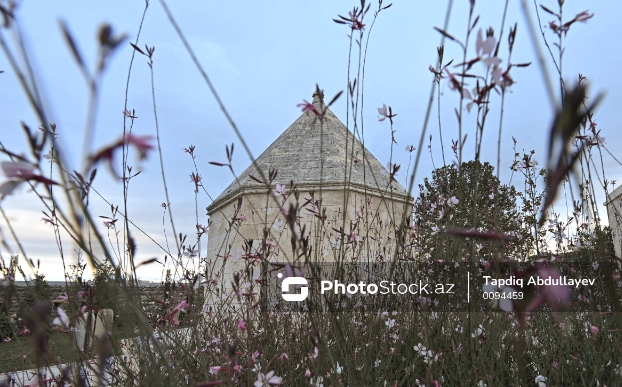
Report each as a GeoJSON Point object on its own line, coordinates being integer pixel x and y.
{"type": "Point", "coordinates": [377, 362]}
{"type": "Point", "coordinates": [504, 304]}
{"type": "Point", "coordinates": [481, 384]}
{"type": "Point", "coordinates": [452, 201]}
{"type": "Point", "coordinates": [278, 224]}
{"type": "Point", "coordinates": [478, 331]}
{"type": "Point", "coordinates": [420, 348]}
{"type": "Point", "coordinates": [338, 369]}
{"type": "Point", "coordinates": [390, 323]}
{"type": "Point", "coordinates": [540, 381]}
{"type": "Point", "coordinates": [62, 318]}
{"type": "Point", "coordinates": [268, 379]}
{"type": "Point", "coordinates": [485, 49]}
{"type": "Point", "coordinates": [319, 382]}
{"type": "Point", "coordinates": [280, 190]}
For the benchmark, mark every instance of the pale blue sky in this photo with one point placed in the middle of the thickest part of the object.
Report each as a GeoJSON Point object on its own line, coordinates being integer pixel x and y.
{"type": "Point", "coordinates": [264, 58]}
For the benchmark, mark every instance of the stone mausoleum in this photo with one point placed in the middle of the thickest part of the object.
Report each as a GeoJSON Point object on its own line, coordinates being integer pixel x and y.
{"type": "Point", "coordinates": [347, 200]}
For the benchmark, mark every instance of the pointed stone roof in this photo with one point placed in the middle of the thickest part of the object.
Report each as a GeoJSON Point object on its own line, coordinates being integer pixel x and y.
{"type": "Point", "coordinates": [297, 153]}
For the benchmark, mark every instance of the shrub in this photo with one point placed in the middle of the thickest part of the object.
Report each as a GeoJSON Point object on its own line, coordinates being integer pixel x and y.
{"type": "Point", "coordinates": [470, 197]}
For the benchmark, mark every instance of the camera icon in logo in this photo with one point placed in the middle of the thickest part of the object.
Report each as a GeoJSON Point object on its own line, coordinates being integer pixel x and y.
{"type": "Point", "coordinates": [304, 290]}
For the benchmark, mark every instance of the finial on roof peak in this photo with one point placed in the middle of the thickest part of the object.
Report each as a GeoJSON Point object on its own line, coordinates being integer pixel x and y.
{"type": "Point", "coordinates": [318, 97]}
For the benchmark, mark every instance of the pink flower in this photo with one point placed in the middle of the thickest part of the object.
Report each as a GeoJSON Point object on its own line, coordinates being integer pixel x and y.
{"type": "Point", "coordinates": [283, 356]}
{"type": "Point", "coordinates": [384, 114]}
{"type": "Point", "coordinates": [214, 370]}
{"type": "Point", "coordinates": [356, 24]}
{"type": "Point", "coordinates": [308, 107]}
{"type": "Point", "coordinates": [280, 190]}
{"type": "Point", "coordinates": [583, 16]}
{"type": "Point", "coordinates": [485, 48]}
{"type": "Point", "coordinates": [141, 143]}
{"type": "Point", "coordinates": [502, 78]}
{"type": "Point", "coordinates": [307, 373]}
{"type": "Point", "coordinates": [18, 172]}
{"type": "Point", "coordinates": [454, 84]}
{"type": "Point", "coordinates": [196, 179]}
{"type": "Point", "coordinates": [557, 296]}
{"type": "Point", "coordinates": [17, 169]}
{"type": "Point", "coordinates": [594, 331]}
{"type": "Point", "coordinates": [181, 306]}
{"type": "Point", "coordinates": [241, 325]}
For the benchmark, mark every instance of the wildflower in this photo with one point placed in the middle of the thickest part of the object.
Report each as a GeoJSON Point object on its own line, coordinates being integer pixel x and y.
{"type": "Point", "coordinates": [410, 148]}
{"type": "Point", "coordinates": [196, 179]}
{"type": "Point", "coordinates": [353, 19]}
{"type": "Point", "coordinates": [280, 190]}
{"type": "Point", "coordinates": [583, 16]}
{"type": "Point", "coordinates": [319, 382]}
{"type": "Point", "coordinates": [18, 172]}
{"type": "Point", "coordinates": [485, 48]}
{"type": "Point", "coordinates": [540, 381]}
{"type": "Point", "coordinates": [190, 252]}
{"type": "Point", "coordinates": [214, 370]}
{"type": "Point", "coordinates": [52, 157]}
{"type": "Point", "coordinates": [502, 78]}
{"type": "Point", "coordinates": [452, 201]}
{"type": "Point", "coordinates": [308, 107]}
{"type": "Point", "coordinates": [129, 113]}
{"type": "Point", "coordinates": [594, 331]}
{"type": "Point", "coordinates": [241, 325]}
{"type": "Point", "coordinates": [354, 238]}
{"type": "Point", "coordinates": [338, 369]}
{"type": "Point", "coordinates": [557, 296]}
{"type": "Point", "coordinates": [454, 84]}
{"type": "Point", "coordinates": [390, 323]}
{"type": "Point", "coordinates": [278, 224]}
{"type": "Point", "coordinates": [384, 114]}
{"type": "Point", "coordinates": [267, 380]}
{"type": "Point", "coordinates": [62, 318]}
{"type": "Point", "coordinates": [478, 331]}
{"type": "Point", "coordinates": [356, 24]}
{"type": "Point", "coordinates": [141, 143]}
